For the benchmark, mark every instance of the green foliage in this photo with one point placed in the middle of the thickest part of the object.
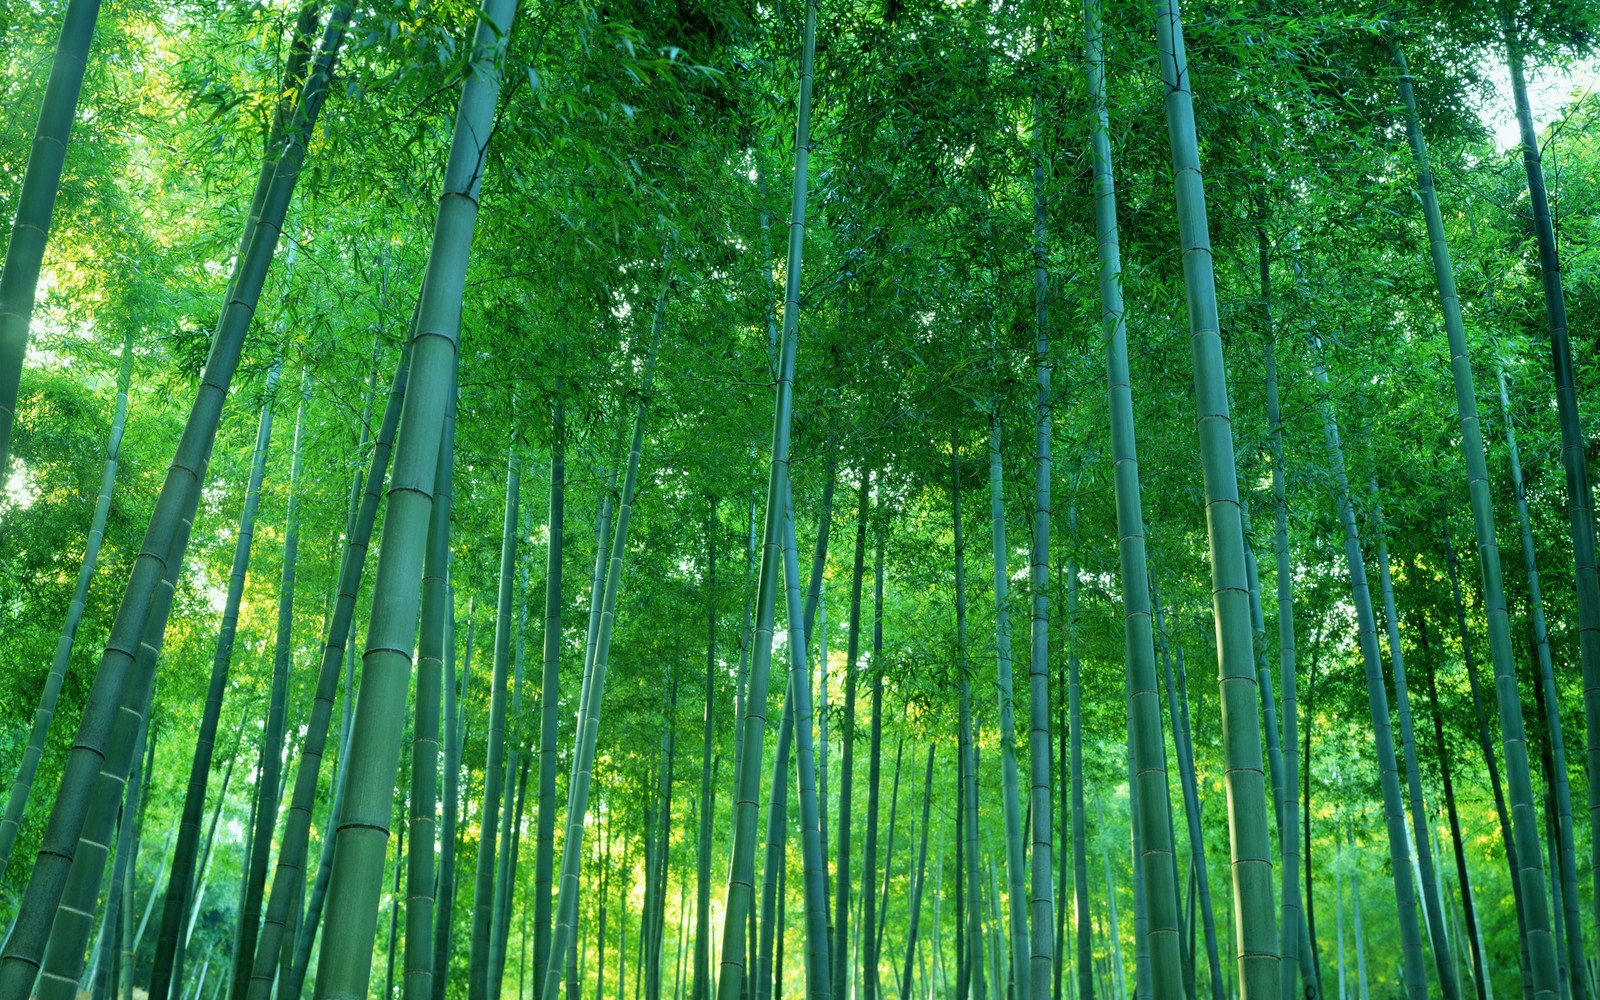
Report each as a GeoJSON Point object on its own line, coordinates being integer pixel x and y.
{"type": "Point", "coordinates": [631, 126]}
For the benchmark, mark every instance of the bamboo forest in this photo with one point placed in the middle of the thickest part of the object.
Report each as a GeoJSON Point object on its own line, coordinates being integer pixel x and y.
{"type": "Point", "coordinates": [832, 499]}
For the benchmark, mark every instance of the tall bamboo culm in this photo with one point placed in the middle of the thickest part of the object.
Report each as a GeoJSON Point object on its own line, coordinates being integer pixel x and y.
{"type": "Point", "coordinates": [479, 973]}
{"type": "Point", "coordinates": [139, 615]}
{"type": "Point", "coordinates": [36, 203]}
{"type": "Point", "coordinates": [564, 934]}
{"type": "Point", "coordinates": [1042, 902]}
{"type": "Point", "coordinates": [1254, 906]}
{"type": "Point", "coordinates": [22, 785]}
{"type": "Point", "coordinates": [1524, 812]}
{"type": "Point", "coordinates": [345, 962]}
{"type": "Point", "coordinates": [1230, 599]}
{"type": "Point", "coordinates": [741, 870]}
{"type": "Point", "coordinates": [1574, 460]}
{"type": "Point", "coordinates": [433, 635]}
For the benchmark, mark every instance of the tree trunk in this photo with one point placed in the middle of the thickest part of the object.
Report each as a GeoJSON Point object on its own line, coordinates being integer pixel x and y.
{"type": "Point", "coordinates": [22, 785]}
{"type": "Point", "coordinates": [741, 869]}
{"type": "Point", "coordinates": [1254, 909]}
{"type": "Point", "coordinates": [272, 740]}
{"type": "Point", "coordinates": [1016, 878]}
{"type": "Point", "coordinates": [840, 955]}
{"type": "Point", "coordinates": [1567, 871]}
{"type": "Point", "coordinates": [917, 889]}
{"type": "Point", "coordinates": [36, 203]}
{"type": "Point", "coordinates": [1080, 857]}
{"type": "Point", "coordinates": [1443, 966]}
{"type": "Point", "coordinates": [594, 689]}
{"type": "Point", "coordinates": [872, 911]}
{"type": "Point", "coordinates": [973, 955]}
{"type": "Point", "coordinates": [1524, 814]}
{"type": "Point", "coordinates": [1580, 505]}
{"type": "Point", "coordinates": [141, 615]}
{"type": "Point", "coordinates": [344, 966]}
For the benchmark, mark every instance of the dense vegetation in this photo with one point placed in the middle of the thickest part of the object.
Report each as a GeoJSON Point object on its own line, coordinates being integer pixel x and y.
{"type": "Point", "coordinates": [450, 546]}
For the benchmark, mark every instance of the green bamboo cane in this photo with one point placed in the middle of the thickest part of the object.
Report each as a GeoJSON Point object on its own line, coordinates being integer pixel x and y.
{"type": "Point", "coordinates": [117, 680]}
{"type": "Point", "coordinates": [566, 906]}
{"type": "Point", "coordinates": [1558, 748]}
{"type": "Point", "coordinates": [840, 972]}
{"type": "Point", "coordinates": [1293, 923]}
{"type": "Point", "coordinates": [1041, 890]}
{"type": "Point", "coordinates": [550, 676]}
{"type": "Point", "coordinates": [36, 202]}
{"type": "Point", "coordinates": [1147, 744]}
{"type": "Point", "coordinates": [888, 854]}
{"type": "Point", "coordinates": [1414, 978]}
{"type": "Point", "coordinates": [1016, 891]}
{"type": "Point", "coordinates": [1244, 776]}
{"type": "Point", "coordinates": [103, 973]}
{"type": "Point", "coordinates": [918, 886]}
{"type": "Point", "coordinates": [1080, 857]}
{"type": "Point", "coordinates": [283, 902]}
{"type": "Point", "coordinates": [662, 836]}
{"type": "Point", "coordinates": [505, 872]}
{"type": "Point", "coordinates": [1276, 752]}
{"type": "Point", "coordinates": [1480, 969]}
{"type": "Point", "coordinates": [444, 909]}
{"type": "Point", "coordinates": [1253, 899]}
{"type": "Point", "coordinates": [175, 921]}
{"type": "Point", "coordinates": [273, 732]}
{"type": "Point", "coordinates": [1445, 969]}
{"type": "Point", "coordinates": [813, 864]}
{"type": "Point", "coordinates": [778, 799]}
{"type": "Point", "coordinates": [871, 911]}
{"type": "Point", "coordinates": [741, 871]}
{"type": "Point", "coordinates": [345, 963]}
{"type": "Point", "coordinates": [63, 958]}
{"type": "Point", "coordinates": [394, 913]}
{"type": "Point", "coordinates": [701, 989]}
{"type": "Point", "coordinates": [549, 729]}
{"type": "Point", "coordinates": [305, 932]}
{"type": "Point", "coordinates": [1574, 461]}
{"type": "Point", "coordinates": [478, 968]}
{"type": "Point", "coordinates": [204, 868]}
{"type": "Point", "coordinates": [22, 785]}
{"type": "Point", "coordinates": [973, 958]}
{"type": "Point", "coordinates": [432, 638]}
{"type": "Point", "coordinates": [1184, 744]}
{"type": "Point", "coordinates": [1480, 729]}
{"type": "Point", "coordinates": [1524, 814]}
{"type": "Point", "coordinates": [175, 506]}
